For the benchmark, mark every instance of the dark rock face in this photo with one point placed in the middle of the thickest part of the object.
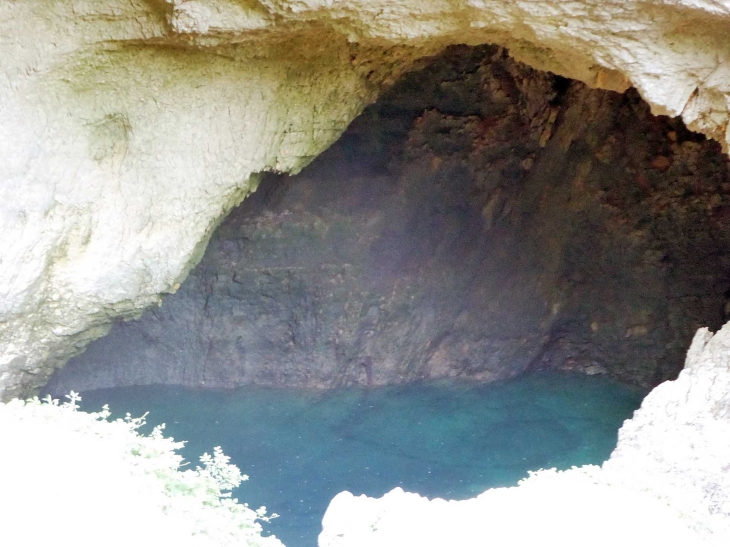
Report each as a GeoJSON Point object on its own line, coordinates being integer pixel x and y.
{"type": "Point", "coordinates": [480, 219]}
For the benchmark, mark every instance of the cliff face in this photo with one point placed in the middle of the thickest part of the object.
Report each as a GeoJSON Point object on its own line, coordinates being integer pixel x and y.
{"type": "Point", "coordinates": [129, 128]}
{"type": "Point", "coordinates": [482, 217]}
{"type": "Point", "coordinates": [665, 484]}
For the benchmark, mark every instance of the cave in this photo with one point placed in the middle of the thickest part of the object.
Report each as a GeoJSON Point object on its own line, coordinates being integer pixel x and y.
{"type": "Point", "coordinates": [482, 221]}
{"type": "Point", "coordinates": [382, 265]}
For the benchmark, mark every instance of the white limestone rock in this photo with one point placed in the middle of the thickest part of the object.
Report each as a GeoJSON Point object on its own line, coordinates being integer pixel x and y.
{"type": "Point", "coordinates": [128, 128]}
{"type": "Point", "coordinates": [677, 445]}
{"type": "Point", "coordinates": [570, 509]}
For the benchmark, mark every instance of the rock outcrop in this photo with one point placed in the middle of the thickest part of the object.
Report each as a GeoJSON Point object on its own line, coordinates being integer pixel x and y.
{"type": "Point", "coordinates": [677, 445]}
{"type": "Point", "coordinates": [498, 218]}
{"type": "Point", "coordinates": [666, 483]}
{"type": "Point", "coordinates": [129, 128]}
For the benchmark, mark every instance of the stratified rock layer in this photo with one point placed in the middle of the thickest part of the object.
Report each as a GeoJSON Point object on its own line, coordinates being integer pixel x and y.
{"type": "Point", "coordinates": [482, 217]}
{"type": "Point", "coordinates": [667, 483]}
{"type": "Point", "coordinates": [129, 128]}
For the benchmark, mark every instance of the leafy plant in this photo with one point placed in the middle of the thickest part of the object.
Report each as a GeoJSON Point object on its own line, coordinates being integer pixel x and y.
{"type": "Point", "coordinates": [198, 500]}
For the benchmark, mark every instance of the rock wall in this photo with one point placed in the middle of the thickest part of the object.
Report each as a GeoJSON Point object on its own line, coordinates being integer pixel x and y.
{"type": "Point", "coordinates": [481, 218]}
{"type": "Point", "coordinates": [122, 152]}
{"type": "Point", "coordinates": [129, 128]}
{"type": "Point", "coordinates": [665, 484]}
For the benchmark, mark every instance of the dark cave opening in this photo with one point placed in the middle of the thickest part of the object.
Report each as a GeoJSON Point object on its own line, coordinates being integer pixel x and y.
{"type": "Point", "coordinates": [481, 219]}
{"type": "Point", "coordinates": [481, 222]}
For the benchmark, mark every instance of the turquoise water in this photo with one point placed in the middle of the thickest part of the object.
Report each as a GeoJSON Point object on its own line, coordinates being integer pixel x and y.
{"type": "Point", "coordinates": [445, 439]}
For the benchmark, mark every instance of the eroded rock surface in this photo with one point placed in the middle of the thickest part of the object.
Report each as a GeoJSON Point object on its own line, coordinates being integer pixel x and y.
{"type": "Point", "coordinates": [677, 446]}
{"type": "Point", "coordinates": [482, 217]}
{"type": "Point", "coordinates": [128, 128]}
{"type": "Point", "coordinates": [667, 482]}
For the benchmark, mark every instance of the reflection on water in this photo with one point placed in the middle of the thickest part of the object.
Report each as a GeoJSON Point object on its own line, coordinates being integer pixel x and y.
{"type": "Point", "coordinates": [445, 439]}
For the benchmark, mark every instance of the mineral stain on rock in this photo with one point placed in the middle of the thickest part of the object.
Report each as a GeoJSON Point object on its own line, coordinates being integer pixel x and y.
{"type": "Point", "coordinates": [367, 364]}
{"type": "Point", "coordinates": [481, 219]}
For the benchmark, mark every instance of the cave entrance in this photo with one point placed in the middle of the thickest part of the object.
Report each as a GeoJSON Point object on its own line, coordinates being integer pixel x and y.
{"type": "Point", "coordinates": [481, 220]}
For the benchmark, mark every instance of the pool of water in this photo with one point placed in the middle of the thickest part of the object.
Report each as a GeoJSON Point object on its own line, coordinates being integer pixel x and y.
{"type": "Point", "coordinates": [446, 439]}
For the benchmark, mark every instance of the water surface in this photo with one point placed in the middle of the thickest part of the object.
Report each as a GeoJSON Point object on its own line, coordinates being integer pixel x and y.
{"type": "Point", "coordinates": [447, 439]}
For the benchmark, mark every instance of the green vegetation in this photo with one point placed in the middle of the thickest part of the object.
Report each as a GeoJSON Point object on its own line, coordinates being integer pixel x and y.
{"type": "Point", "coordinates": [139, 489]}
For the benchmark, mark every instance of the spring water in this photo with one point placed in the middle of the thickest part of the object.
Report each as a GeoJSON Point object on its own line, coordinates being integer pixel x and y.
{"type": "Point", "coordinates": [441, 439]}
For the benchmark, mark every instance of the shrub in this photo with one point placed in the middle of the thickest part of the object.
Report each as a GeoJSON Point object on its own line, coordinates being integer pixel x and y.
{"type": "Point", "coordinates": [57, 441]}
